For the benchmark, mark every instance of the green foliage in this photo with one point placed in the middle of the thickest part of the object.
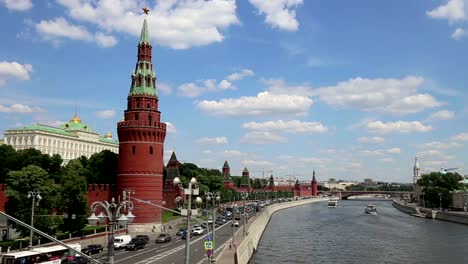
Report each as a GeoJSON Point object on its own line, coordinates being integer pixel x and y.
{"type": "Point", "coordinates": [169, 216]}
{"type": "Point", "coordinates": [20, 183]}
{"type": "Point", "coordinates": [437, 187]}
{"type": "Point", "coordinates": [101, 167]}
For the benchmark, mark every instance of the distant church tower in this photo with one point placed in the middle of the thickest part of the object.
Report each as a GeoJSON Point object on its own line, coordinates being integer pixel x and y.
{"type": "Point", "coordinates": [227, 176]}
{"type": "Point", "coordinates": [170, 191]}
{"type": "Point", "coordinates": [141, 138]}
{"type": "Point", "coordinates": [416, 177]}
{"type": "Point", "coordinates": [245, 179]}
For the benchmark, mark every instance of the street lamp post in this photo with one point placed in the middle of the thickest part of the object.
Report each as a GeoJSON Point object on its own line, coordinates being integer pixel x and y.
{"type": "Point", "coordinates": [112, 212]}
{"type": "Point", "coordinates": [34, 195]}
{"type": "Point", "coordinates": [244, 196]}
{"type": "Point", "coordinates": [191, 190]}
{"type": "Point", "coordinates": [440, 201]}
{"type": "Point", "coordinates": [424, 200]}
{"type": "Point", "coordinates": [215, 197]}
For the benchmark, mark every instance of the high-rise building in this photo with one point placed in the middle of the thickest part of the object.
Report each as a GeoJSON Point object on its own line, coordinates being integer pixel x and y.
{"type": "Point", "coordinates": [70, 140]}
{"type": "Point", "coordinates": [141, 138]}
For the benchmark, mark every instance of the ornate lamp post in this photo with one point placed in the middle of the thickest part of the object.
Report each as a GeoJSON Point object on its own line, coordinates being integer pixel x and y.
{"type": "Point", "coordinates": [215, 197]}
{"type": "Point", "coordinates": [113, 212]}
{"type": "Point", "coordinates": [34, 195]}
{"type": "Point", "coordinates": [179, 201]}
{"type": "Point", "coordinates": [244, 196]}
{"type": "Point", "coordinates": [440, 201]}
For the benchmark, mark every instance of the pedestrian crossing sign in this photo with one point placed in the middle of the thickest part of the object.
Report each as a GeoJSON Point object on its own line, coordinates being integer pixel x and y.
{"type": "Point", "coordinates": [208, 245]}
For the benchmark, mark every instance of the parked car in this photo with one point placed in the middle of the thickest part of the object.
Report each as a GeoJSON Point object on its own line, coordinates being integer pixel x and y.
{"type": "Point", "coordinates": [181, 231]}
{"type": "Point", "coordinates": [210, 220]}
{"type": "Point", "coordinates": [92, 249]}
{"type": "Point", "coordinates": [135, 244]}
{"type": "Point", "coordinates": [76, 260]}
{"type": "Point", "coordinates": [198, 230]}
{"type": "Point", "coordinates": [235, 223]}
{"type": "Point", "coordinates": [144, 237]}
{"type": "Point", "coordinates": [163, 238]}
{"type": "Point", "coordinates": [184, 235]}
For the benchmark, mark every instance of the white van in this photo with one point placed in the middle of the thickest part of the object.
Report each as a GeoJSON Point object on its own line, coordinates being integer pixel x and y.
{"type": "Point", "coordinates": [121, 241]}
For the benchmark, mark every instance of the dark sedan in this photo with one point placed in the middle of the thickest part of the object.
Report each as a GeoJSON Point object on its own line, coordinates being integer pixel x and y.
{"type": "Point", "coordinates": [181, 231]}
{"type": "Point", "coordinates": [92, 249]}
{"type": "Point", "coordinates": [184, 235]}
{"type": "Point", "coordinates": [163, 238]}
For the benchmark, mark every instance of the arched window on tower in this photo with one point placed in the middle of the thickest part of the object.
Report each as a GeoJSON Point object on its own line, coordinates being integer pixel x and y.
{"type": "Point", "coordinates": [150, 118]}
{"type": "Point", "coordinates": [133, 150]}
{"type": "Point", "coordinates": [148, 105]}
{"type": "Point", "coordinates": [136, 116]}
{"type": "Point", "coordinates": [151, 150]}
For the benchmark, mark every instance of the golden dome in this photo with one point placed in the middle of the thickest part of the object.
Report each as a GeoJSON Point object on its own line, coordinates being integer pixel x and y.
{"type": "Point", "coordinates": [75, 119]}
{"type": "Point", "coordinates": [108, 135]}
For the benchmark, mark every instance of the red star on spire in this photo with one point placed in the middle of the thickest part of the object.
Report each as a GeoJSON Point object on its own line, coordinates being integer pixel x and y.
{"type": "Point", "coordinates": [145, 10]}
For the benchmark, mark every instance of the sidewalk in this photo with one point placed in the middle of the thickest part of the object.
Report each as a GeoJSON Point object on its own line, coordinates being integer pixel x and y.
{"type": "Point", "coordinates": [228, 253]}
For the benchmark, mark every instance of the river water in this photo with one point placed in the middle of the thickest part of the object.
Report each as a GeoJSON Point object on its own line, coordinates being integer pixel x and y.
{"type": "Point", "coordinates": [314, 233]}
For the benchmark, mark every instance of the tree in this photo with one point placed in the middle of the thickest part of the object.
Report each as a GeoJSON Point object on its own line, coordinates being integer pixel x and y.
{"type": "Point", "coordinates": [437, 187]}
{"type": "Point", "coordinates": [73, 196]}
{"type": "Point", "coordinates": [101, 167]}
{"type": "Point", "coordinates": [20, 183]}
{"type": "Point", "coordinates": [7, 161]}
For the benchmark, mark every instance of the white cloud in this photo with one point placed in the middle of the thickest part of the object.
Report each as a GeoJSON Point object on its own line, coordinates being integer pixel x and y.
{"type": "Point", "coordinates": [170, 128]}
{"type": "Point", "coordinates": [262, 138]}
{"type": "Point", "coordinates": [257, 163]}
{"type": "Point", "coordinates": [394, 151]}
{"type": "Point", "coordinates": [106, 114]}
{"type": "Point", "coordinates": [20, 108]}
{"type": "Point", "coordinates": [441, 115]}
{"type": "Point", "coordinates": [371, 140]}
{"type": "Point", "coordinates": [14, 70]}
{"type": "Point", "coordinates": [18, 5]}
{"type": "Point", "coordinates": [240, 75]}
{"type": "Point", "coordinates": [458, 33]}
{"type": "Point", "coordinates": [213, 141]}
{"type": "Point", "coordinates": [387, 160]}
{"type": "Point", "coordinates": [207, 151]}
{"type": "Point", "coordinates": [396, 96]}
{"type": "Point", "coordinates": [231, 153]}
{"type": "Point", "coordinates": [196, 89]}
{"type": "Point", "coordinates": [178, 24]}
{"type": "Point", "coordinates": [265, 103]}
{"type": "Point", "coordinates": [165, 88]}
{"type": "Point", "coordinates": [397, 127]}
{"type": "Point", "coordinates": [441, 145]}
{"type": "Point", "coordinates": [293, 126]}
{"type": "Point", "coordinates": [56, 30]}
{"type": "Point", "coordinates": [434, 153]}
{"type": "Point", "coordinates": [460, 137]}
{"type": "Point", "coordinates": [279, 13]}
{"type": "Point", "coordinates": [105, 41]}
{"type": "Point", "coordinates": [454, 10]}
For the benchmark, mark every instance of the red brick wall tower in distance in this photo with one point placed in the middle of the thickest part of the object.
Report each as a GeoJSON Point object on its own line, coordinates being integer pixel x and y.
{"type": "Point", "coordinates": [314, 185]}
{"type": "Point", "coordinates": [170, 191]}
{"type": "Point", "coordinates": [226, 171]}
{"type": "Point", "coordinates": [141, 138]}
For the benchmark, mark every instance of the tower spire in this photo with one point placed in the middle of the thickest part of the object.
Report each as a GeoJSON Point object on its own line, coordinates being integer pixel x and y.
{"type": "Point", "coordinates": [144, 37]}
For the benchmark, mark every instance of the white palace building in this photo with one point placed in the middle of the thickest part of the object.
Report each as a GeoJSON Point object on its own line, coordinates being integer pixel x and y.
{"type": "Point", "coordinates": [70, 140]}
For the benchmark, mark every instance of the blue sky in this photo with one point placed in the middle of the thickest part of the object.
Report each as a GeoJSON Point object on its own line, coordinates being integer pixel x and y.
{"type": "Point", "coordinates": [352, 89]}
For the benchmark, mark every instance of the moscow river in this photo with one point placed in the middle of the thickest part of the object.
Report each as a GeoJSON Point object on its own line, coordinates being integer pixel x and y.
{"type": "Point", "coordinates": [315, 233]}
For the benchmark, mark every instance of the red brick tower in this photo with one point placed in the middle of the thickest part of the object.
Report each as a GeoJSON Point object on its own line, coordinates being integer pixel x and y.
{"type": "Point", "coordinates": [227, 176]}
{"type": "Point", "coordinates": [245, 179]}
{"type": "Point", "coordinates": [141, 138]}
{"type": "Point", "coordinates": [314, 185]}
{"type": "Point", "coordinates": [170, 191]}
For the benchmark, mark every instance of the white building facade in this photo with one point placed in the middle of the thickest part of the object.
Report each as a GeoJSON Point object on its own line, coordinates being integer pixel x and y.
{"type": "Point", "coordinates": [70, 140]}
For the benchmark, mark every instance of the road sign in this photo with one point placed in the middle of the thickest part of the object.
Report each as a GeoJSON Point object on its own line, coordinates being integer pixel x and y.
{"type": "Point", "coordinates": [209, 253]}
{"type": "Point", "coordinates": [208, 238]}
{"type": "Point", "coordinates": [208, 245]}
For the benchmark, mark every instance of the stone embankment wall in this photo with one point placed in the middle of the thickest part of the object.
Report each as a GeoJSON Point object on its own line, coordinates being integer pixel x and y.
{"type": "Point", "coordinates": [456, 217]}
{"type": "Point", "coordinates": [250, 244]}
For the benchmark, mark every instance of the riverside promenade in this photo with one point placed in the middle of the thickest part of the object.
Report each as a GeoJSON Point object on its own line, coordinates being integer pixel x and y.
{"type": "Point", "coordinates": [415, 210]}
{"type": "Point", "coordinates": [245, 246]}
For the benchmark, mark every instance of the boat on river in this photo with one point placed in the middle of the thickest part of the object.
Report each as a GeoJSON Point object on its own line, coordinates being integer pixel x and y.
{"type": "Point", "coordinates": [333, 202]}
{"type": "Point", "coordinates": [371, 209]}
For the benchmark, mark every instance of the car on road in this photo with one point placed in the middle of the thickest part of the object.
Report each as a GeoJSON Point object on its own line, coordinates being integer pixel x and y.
{"type": "Point", "coordinates": [135, 244]}
{"type": "Point", "coordinates": [210, 220]}
{"type": "Point", "coordinates": [198, 230]}
{"type": "Point", "coordinates": [76, 260]}
{"type": "Point", "coordinates": [181, 231]}
{"type": "Point", "coordinates": [163, 238]}
{"type": "Point", "coordinates": [144, 237]}
{"type": "Point", "coordinates": [235, 223]}
{"type": "Point", "coordinates": [184, 235]}
{"type": "Point", "coordinates": [92, 249]}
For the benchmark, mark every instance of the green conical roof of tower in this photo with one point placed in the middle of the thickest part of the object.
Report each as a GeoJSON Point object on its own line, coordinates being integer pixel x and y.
{"type": "Point", "coordinates": [144, 37]}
